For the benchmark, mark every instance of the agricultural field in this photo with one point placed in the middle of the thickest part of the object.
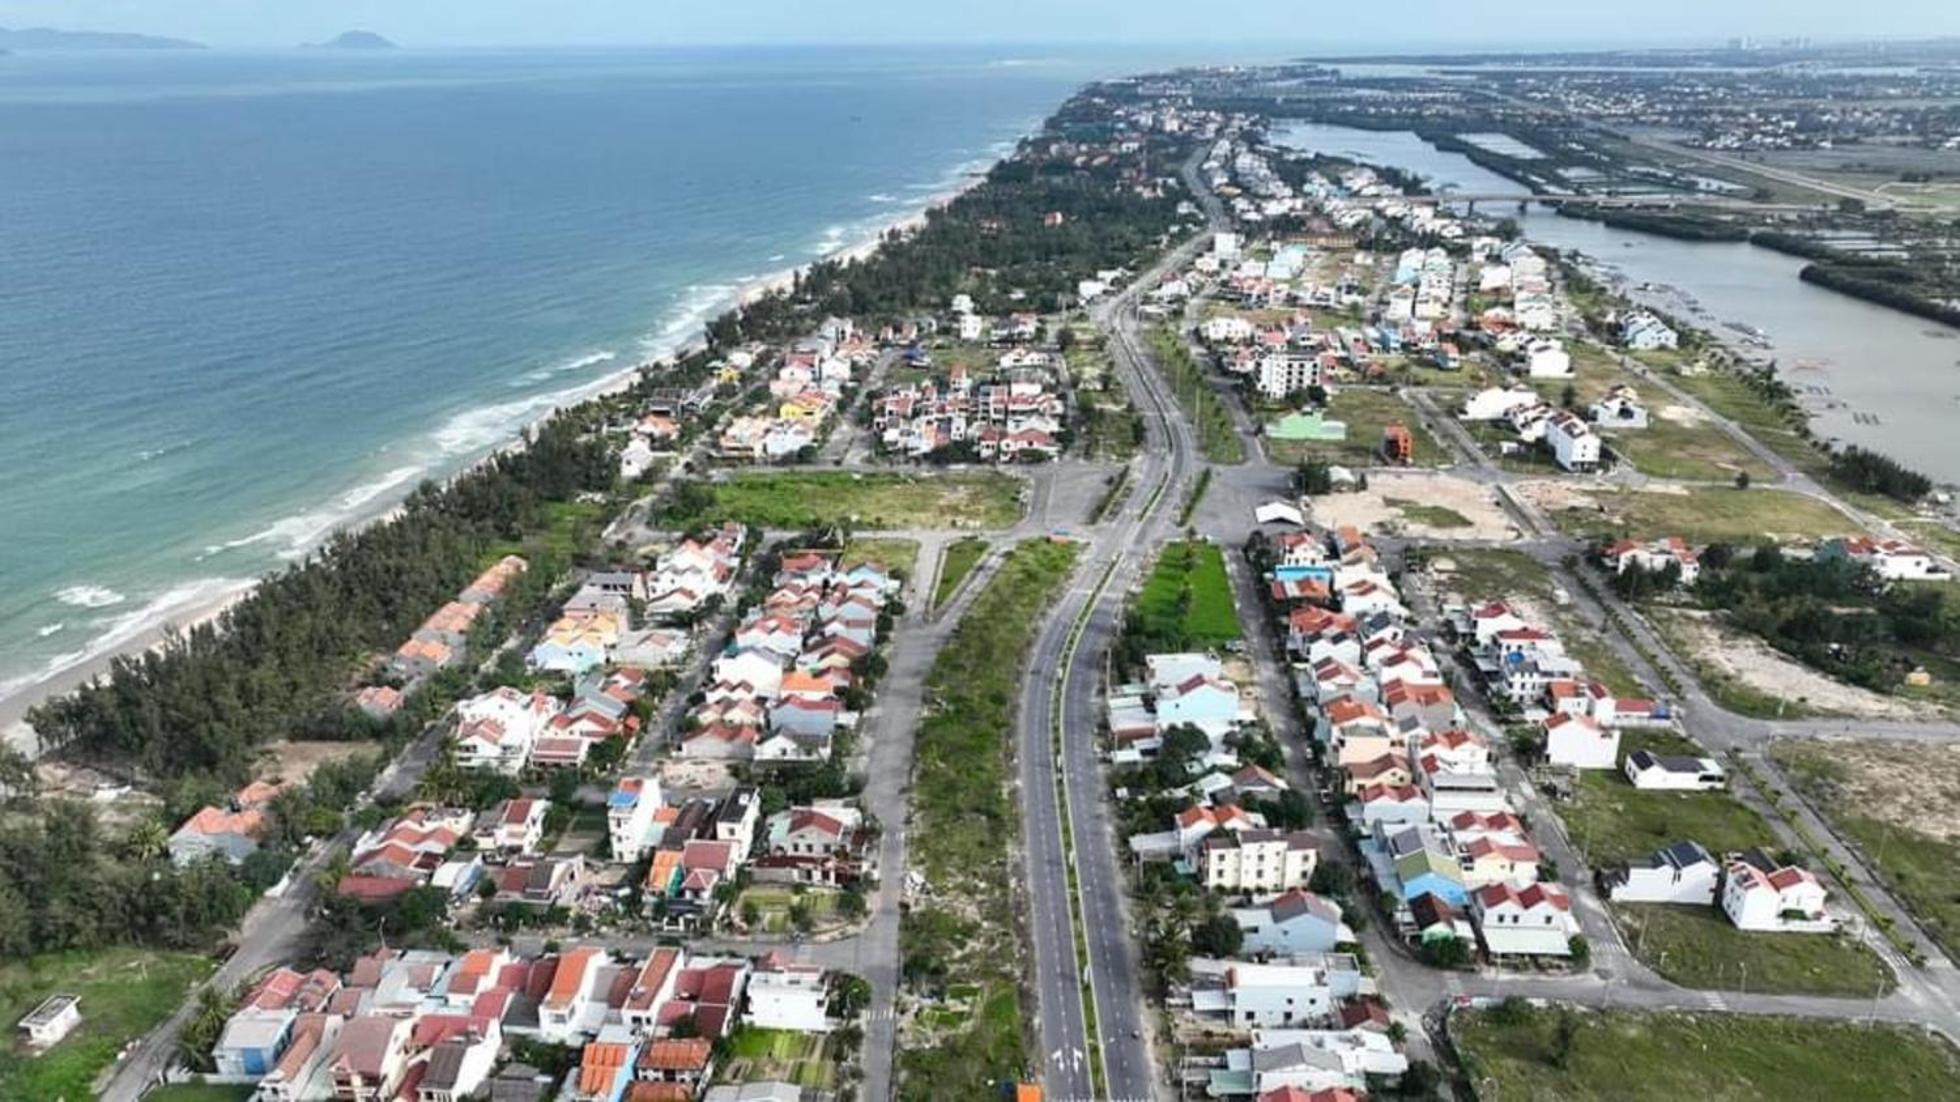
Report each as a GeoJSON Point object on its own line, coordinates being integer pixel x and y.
{"type": "Point", "coordinates": [1899, 804]}
{"type": "Point", "coordinates": [780, 1055]}
{"type": "Point", "coordinates": [1518, 1052]}
{"type": "Point", "coordinates": [124, 993]}
{"type": "Point", "coordinates": [798, 499]}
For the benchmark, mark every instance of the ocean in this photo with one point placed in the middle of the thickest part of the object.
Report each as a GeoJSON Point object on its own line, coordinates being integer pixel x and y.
{"type": "Point", "coordinates": [248, 298]}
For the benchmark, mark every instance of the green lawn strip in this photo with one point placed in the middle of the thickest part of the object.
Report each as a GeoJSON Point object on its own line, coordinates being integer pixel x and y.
{"type": "Point", "coordinates": [124, 994]}
{"type": "Point", "coordinates": [1699, 947]}
{"type": "Point", "coordinates": [1218, 437]}
{"type": "Point", "coordinates": [1188, 597]}
{"type": "Point", "coordinates": [1917, 868]}
{"type": "Point", "coordinates": [804, 499]}
{"type": "Point", "coordinates": [1704, 514]}
{"type": "Point", "coordinates": [964, 820]}
{"type": "Point", "coordinates": [955, 563]}
{"type": "Point", "coordinates": [1610, 821]}
{"type": "Point", "coordinates": [199, 1091]}
{"type": "Point", "coordinates": [1518, 1052]}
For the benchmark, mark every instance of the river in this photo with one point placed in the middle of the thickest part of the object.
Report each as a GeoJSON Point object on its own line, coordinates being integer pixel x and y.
{"type": "Point", "coordinates": [1870, 376]}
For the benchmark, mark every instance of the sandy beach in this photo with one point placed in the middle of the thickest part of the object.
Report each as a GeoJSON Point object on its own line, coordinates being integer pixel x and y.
{"type": "Point", "coordinates": [14, 729]}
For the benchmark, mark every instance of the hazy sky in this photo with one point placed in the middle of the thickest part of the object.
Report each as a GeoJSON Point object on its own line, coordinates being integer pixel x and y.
{"type": "Point", "coordinates": [1376, 25]}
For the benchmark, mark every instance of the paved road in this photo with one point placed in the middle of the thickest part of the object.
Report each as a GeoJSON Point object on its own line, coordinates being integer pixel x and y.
{"type": "Point", "coordinates": [1059, 725]}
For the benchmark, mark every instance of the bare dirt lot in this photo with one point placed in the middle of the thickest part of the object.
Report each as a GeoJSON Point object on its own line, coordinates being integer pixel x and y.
{"type": "Point", "coordinates": [1758, 666]}
{"type": "Point", "coordinates": [294, 762]}
{"type": "Point", "coordinates": [1912, 785]}
{"type": "Point", "coordinates": [1418, 503]}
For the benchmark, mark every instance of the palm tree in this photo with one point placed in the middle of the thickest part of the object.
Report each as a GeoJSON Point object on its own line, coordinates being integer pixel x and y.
{"type": "Point", "coordinates": [146, 841]}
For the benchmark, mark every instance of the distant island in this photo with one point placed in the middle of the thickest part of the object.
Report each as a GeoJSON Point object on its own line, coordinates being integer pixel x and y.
{"type": "Point", "coordinates": [45, 38]}
{"type": "Point", "coordinates": [354, 40]}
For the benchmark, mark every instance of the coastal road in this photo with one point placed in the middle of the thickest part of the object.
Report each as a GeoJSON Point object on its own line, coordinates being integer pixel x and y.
{"type": "Point", "coordinates": [1061, 776]}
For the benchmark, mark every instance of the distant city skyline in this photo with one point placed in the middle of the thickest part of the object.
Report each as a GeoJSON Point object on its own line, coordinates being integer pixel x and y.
{"type": "Point", "coordinates": [1279, 24]}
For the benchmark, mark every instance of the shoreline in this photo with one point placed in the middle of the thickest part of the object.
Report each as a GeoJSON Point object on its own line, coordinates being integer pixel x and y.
{"type": "Point", "coordinates": [15, 733]}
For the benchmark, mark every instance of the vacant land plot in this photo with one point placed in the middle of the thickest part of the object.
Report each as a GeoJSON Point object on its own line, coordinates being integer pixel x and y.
{"type": "Point", "coordinates": [1366, 413]}
{"type": "Point", "coordinates": [1187, 600]}
{"type": "Point", "coordinates": [1700, 947]}
{"type": "Point", "coordinates": [892, 554]}
{"type": "Point", "coordinates": [1900, 804]}
{"type": "Point", "coordinates": [797, 499]}
{"type": "Point", "coordinates": [1679, 442]}
{"type": "Point", "coordinates": [1749, 676]}
{"type": "Point", "coordinates": [124, 994]}
{"type": "Point", "coordinates": [1552, 1054]}
{"type": "Point", "coordinates": [772, 909]}
{"type": "Point", "coordinates": [1425, 504]}
{"type": "Point", "coordinates": [1611, 821]}
{"type": "Point", "coordinates": [956, 562]}
{"type": "Point", "coordinates": [1700, 514]}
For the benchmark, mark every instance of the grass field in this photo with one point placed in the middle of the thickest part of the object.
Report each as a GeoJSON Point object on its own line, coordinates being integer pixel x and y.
{"type": "Point", "coordinates": [1611, 821]}
{"type": "Point", "coordinates": [957, 561]}
{"type": "Point", "coordinates": [1218, 437]}
{"type": "Point", "coordinates": [964, 822]}
{"type": "Point", "coordinates": [773, 904]}
{"type": "Point", "coordinates": [800, 499]}
{"type": "Point", "coordinates": [892, 554]}
{"type": "Point", "coordinates": [124, 993]}
{"type": "Point", "coordinates": [1366, 413]}
{"type": "Point", "coordinates": [1699, 947]}
{"type": "Point", "coordinates": [1916, 866]}
{"type": "Point", "coordinates": [1515, 1054]}
{"type": "Point", "coordinates": [1705, 514]}
{"type": "Point", "coordinates": [1188, 597]}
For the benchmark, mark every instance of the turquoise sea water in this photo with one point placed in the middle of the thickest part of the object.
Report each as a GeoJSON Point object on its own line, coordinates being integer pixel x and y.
{"type": "Point", "coordinates": [247, 298]}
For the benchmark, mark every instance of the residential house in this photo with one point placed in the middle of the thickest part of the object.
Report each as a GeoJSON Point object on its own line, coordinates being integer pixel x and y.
{"type": "Point", "coordinates": [1758, 893]}
{"type": "Point", "coordinates": [370, 1058]}
{"type": "Point", "coordinates": [1580, 742]}
{"type": "Point", "coordinates": [1536, 920]}
{"type": "Point", "coordinates": [1654, 556]}
{"type": "Point", "coordinates": [1674, 772]}
{"type": "Point", "coordinates": [1681, 873]}
{"type": "Point", "coordinates": [1257, 861]}
{"type": "Point", "coordinates": [1297, 921]}
{"type": "Point", "coordinates": [786, 995]}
